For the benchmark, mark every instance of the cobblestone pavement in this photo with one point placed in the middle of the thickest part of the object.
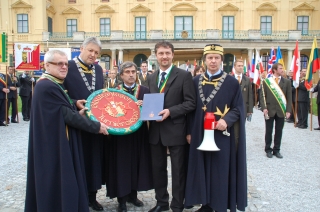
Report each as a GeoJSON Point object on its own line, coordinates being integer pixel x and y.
{"type": "Point", "coordinates": [280, 185]}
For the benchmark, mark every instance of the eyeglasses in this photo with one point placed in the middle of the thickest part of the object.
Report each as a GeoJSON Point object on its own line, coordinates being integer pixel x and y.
{"type": "Point", "coordinates": [60, 64]}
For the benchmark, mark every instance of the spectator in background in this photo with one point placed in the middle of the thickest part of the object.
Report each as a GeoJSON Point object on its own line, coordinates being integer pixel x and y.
{"type": "Point", "coordinates": [198, 70]}
{"type": "Point", "coordinates": [27, 83]}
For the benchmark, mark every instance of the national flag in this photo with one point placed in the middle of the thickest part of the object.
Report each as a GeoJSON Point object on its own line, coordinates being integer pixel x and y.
{"type": "Point", "coordinates": [248, 68]}
{"type": "Point", "coordinates": [271, 61]}
{"type": "Point", "coordinates": [187, 65]}
{"type": "Point", "coordinates": [279, 58]}
{"type": "Point", "coordinates": [233, 69]}
{"type": "Point", "coordinates": [252, 68]}
{"type": "Point", "coordinates": [3, 48]}
{"type": "Point", "coordinates": [313, 65]}
{"type": "Point", "coordinates": [245, 67]}
{"type": "Point", "coordinates": [114, 62]}
{"type": "Point", "coordinates": [195, 63]}
{"type": "Point", "coordinates": [295, 66]}
{"type": "Point", "coordinates": [258, 69]}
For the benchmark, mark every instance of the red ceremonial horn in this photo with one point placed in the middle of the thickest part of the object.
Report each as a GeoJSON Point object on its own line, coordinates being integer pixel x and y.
{"type": "Point", "coordinates": [208, 143]}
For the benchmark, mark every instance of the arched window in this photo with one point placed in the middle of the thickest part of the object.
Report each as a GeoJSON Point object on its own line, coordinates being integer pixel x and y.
{"type": "Point", "coordinates": [139, 58]}
{"type": "Point", "coordinates": [106, 59]}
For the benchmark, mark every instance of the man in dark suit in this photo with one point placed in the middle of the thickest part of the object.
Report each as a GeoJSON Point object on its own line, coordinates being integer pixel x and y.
{"type": "Point", "coordinates": [313, 90]}
{"type": "Point", "coordinates": [13, 83]}
{"type": "Point", "coordinates": [112, 82]}
{"type": "Point", "coordinates": [143, 75]}
{"type": "Point", "coordinates": [275, 110]}
{"type": "Point", "coordinates": [303, 102]}
{"type": "Point", "coordinates": [26, 84]}
{"type": "Point", "coordinates": [171, 130]}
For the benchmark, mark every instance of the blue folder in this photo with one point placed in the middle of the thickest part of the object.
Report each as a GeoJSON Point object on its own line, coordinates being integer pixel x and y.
{"type": "Point", "coordinates": [152, 105]}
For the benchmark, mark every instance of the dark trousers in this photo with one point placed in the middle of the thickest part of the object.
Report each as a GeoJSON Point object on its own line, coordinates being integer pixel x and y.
{"type": "Point", "coordinates": [2, 110]}
{"type": "Point", "coordinates": [132, 196]}
{"type": "Point", "coordinates": [160, 175]}
{"type": "Point", "coordinates": [13, 103]}
{"type": "Point", "coordinates": [26, 106]}
{"type": "Point", "coordinates": [303, 114]}
{"type": "Point", "coordinates": [318, 114]}
{"type": "Point", "coordinates": [279, 122]}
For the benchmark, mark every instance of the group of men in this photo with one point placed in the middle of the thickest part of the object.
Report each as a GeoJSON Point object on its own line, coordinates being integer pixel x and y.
{"type": "Point", "coordinates": [70, 156]}
{"type": "Point", "coordinates": [9, 84]}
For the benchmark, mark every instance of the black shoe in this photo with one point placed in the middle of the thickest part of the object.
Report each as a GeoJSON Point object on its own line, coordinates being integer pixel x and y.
{"type": "Point", "coordinates": [95, 206]}
{"type": "Point", "coordinates": [290, 121]}
{"type": "Point", "coordinates": [269, 154]}
{"type": "Point", "coordinates": [188, 207]}
{"type": "Point", "coordinates": [122, 207]}
{"type": "Point", "coordinates": [13, 121]}
{"type": "Point", "coordinates": [302, 127]}
{"type": "Point", "coordinates": [278, 155]}
{"type": "Point", "coordinates": [136, 202]}
{"type": "Point", "coordinates": [317, 128]}
{"type": "Point", "coordinates": [2, 124]}
{"type": "Point", "coordinates": [205, 208]}
{"type": "Point", "coordinates": [26, 119]}
{"type": "Point", "coordinates": [159, 208]}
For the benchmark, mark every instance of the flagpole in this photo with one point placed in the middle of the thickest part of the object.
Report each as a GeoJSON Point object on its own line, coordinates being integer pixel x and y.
{"type": "Point", "coordinates": [310, 94]}
{"type": "Point", "coordinates": [255, 95]}
{"type": "Point", "coordinates": [6, 112]}
{"type": "Point", "coordinates": [295, 108]}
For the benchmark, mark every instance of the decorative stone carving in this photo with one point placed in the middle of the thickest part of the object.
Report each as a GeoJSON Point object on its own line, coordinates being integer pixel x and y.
{"type": "Point", "coordinates": [294, 34]}
{"type": "Point", "coordinates": [78, 36]}
{"type": "Point", "coordinates": [254, 34]}
{"type": "Point", "coordinates": [156, 34]}
{"type": "Point", "coordinates": [213, 33]}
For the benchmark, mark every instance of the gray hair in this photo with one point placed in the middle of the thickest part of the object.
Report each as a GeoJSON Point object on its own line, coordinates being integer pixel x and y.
{"type": "Point", "coordinates": [48, 57]}
{"type": "Point", "coordinates": [93, 40]}
{"type": "Point", "coordinates": [127, 64]}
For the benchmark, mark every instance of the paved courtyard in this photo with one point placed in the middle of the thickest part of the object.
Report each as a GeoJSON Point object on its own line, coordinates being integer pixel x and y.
{"type": "Point", "coordinates": [280, 185]}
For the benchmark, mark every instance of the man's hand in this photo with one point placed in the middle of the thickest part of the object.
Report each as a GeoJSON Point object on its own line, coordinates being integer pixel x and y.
{"type": "Point", "coordinates": [82, 111]}
{"type": "Point", "coordinates": [139, 102]}
{"type": "Point", "coordinates": [165, 114]}
{"type": "Point", "coordinates": [103, 129]}
{"type": "Point", "coordinates": [15, 79]}
{"type": "Point", "coordinates": [221, 125]}
{"type": "Point", "coordinates": [6, 90]}
{"type": "Point", "coordinates": [265, 112]}
{"type": "Point", "coordinates": [189, 139]}
{"type": "Point", "coordinates": [248, 114]}
{"type": "Point", "coordinates": [13, 88]}
{"type": "Point", "coordinates": [32, 79]}
{"type": "Point", "coordinates": [80, 104]}
{"type": "Point", "coordinates": [287, 115]}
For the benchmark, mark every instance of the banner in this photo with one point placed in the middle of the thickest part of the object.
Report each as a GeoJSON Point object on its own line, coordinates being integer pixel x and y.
{"type": "Point", "coordinates": [3, 48]}
{"type": "Point", "coordinates": [27, 56]}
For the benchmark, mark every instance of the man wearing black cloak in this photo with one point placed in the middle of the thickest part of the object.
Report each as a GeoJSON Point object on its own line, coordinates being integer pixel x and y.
{"type": "Point", "coordinates": [128, 157]}
{"type": "Point", "coordinates": [85, 77]}
{"type": "Point", "coordinates": [55, 172]}
{"type": "Point", "coordinates": [217, 179]}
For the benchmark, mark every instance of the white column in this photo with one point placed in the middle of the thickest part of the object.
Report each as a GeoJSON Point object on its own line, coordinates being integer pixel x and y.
{"type": "Point", "coordinates": [289, 60]}
{"type": "Point", "coordinates": [120, 56]}
{"type": "Point", "coordinates": [113, 57]}
{"type": "Point", "coordinates": [250, 55]}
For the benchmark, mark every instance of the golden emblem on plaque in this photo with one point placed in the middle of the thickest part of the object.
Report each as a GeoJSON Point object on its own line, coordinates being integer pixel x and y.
{"type": "Point", "coordinates": [151, 114]}
{"type": "Point", "coordinates": [115, 109]}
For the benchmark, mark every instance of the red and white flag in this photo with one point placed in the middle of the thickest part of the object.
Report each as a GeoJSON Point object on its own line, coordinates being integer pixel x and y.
{"type": "Point", "coordinates": [258, 70]}
{"type": "Point", "coordinates": [295, 66]}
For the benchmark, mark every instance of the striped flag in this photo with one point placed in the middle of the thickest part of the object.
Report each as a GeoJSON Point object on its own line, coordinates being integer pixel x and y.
{"type": "Point", "coordinates": [258, 69]}
{"type": "Point", "coordinates": [271, 61]}
{"type": "Point", "coordinates": [3, 48]}
{"type": "Point", "coordinates": [313, 65]}
{"type": "Point", "coordinates": [233, 69]}
{"type": "Point", "coordinates": [253, 62]}
{"type": "Point", "coordinates": [279, 58]}
{"type": "Point", "coordinates": [245, 67]}
{"type": "Point", "coordinates": [295, 66]}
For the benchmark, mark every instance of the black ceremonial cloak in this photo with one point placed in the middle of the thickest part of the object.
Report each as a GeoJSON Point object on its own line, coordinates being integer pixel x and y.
{"type": "Point", "coordinates": [218, 178]}
{"type": "Point", "coordinates": [92, 143]}
{"type": "Point", "coordinates": [55, 173]}
{"type": "Point", "coordinates": [128, 160]}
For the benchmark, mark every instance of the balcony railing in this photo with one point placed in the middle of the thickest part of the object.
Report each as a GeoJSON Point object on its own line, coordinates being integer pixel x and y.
{"type": "Point", "coordinates": [209, 34]}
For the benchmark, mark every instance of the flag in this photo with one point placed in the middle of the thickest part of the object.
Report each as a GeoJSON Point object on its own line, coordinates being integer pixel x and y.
{"type": "Point", "coordinates": [195, 63]}
{"type": "Point", "coordinates": [258, 69]}
{"type": "Point", "coordinates": [248, 69]}
{"type": "Point", "coordinates": [233, 69]}
{"type": "Point", "coordinates": [271, 61]}
{"type": "Point", "coordinates": [187, 65]}
{"type": "Point", "coordinates": [313, 65]}
{"type": "Point", "coordinates": [245, 67]}
{"type": "Point", "coordinates": [251, 74]}
{"type": "Point", "coordinates": [114, 62]}
{"type": "Point", "coordinates": [3, 48]}
{"type": "Point", "coordinates": [295, 66]}
{"type": "Point", "coordinates": [279, 58]}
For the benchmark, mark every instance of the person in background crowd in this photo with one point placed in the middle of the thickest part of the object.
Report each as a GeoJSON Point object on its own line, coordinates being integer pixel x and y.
{"type": "Point", "coordinates": [314, 90]}
{"type": "Point", "coordinates": [289, 77]}
{"type": "Point", "coordinates": [198, 70]}
{"type": "Point", "coordinates": [4, 91]}
{"type": "Point", "coordinates": [143, 75]}
{"type": "Point", "coordinates": [27, 84]}
{"type": "Point", "coordinates": [303, 102]}
{"type": "Point", "coordinates": [113, 82]}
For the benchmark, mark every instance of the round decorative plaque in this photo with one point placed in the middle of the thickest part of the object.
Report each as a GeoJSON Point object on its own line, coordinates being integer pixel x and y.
{"type": "Point", "coordinates": [116, 109]}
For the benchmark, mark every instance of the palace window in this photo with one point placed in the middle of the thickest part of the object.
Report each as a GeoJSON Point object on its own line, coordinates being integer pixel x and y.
{"type": "Point", "coordinates": [105, 28]}
{"type": "Point", "coordinates": [22, 23]}
{"type": "Point", "coordinates": [303, 61]}
{"type": "Point", "coordinates": [72, 1]}
{"type": "Point", "coordinates": [228, 27]}
{"type": "Point", "coordinates": [183, 27]}
{"type": "Point", "coordinates": [303, 24]}
{"type": "Point", "coordinates": [71, 27]}
{"type": "Point", "coordinates": [106, 58]}
{"type": "Point", "coordinates": [140, 28]}
{"type": "Point", "coordinates": [266, 25]}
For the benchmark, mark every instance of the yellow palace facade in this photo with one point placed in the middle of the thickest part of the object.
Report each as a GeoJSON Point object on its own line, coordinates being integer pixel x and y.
{"type": "Point", "coordinates": [129, 29]}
